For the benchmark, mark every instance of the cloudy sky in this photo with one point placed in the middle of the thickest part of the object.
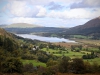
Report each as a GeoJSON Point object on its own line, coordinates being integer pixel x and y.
{"type": "Point", "coordinates": [49, 13]}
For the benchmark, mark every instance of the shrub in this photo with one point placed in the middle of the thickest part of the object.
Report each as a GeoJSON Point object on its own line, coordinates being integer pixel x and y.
{"type": "Point", "coordinates": [28, 68]}
{"type": "Point", "coordinates": [77, 66]}
{"type": "Point", "coordinates": [12, 65]}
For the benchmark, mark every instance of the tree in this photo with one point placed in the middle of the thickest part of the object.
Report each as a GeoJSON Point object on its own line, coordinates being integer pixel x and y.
{"type": "Point", "coordinates": [42, 46]}
{"type": "Point", "coordinates": [1, 41]}
{"type": "Point", "coordinates": [9, 44]}
{"type": "Point", "coordinates": [51, 63]}
{"type": "Point", "coordinates": [99, 47]}
{"type": "Point", "coordinates": [95, 68]}
{"type": "Point", "coordinates": [43, 58]}
{"type": "Point", "coordinates": [84, 57]}
{"type": "Point", "coordinates": [47, 48]}
{"type": "Point", "coordinates": [80, 47]}
{"type": "Point", "coordinates": [28, 68]}
{"type": "Point", "coordinates": [77, 66]}
{"type": "Point", "coordinates": [88, 67]}
{"type": "Point", "coordinates": [12, 65]}
{"type": "Point", "coordinates": [72, 47]}
{"type": "Point", "coordinates": [63, 65]}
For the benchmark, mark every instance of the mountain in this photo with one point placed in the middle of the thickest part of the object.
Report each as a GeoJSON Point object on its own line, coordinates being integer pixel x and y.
{"type": "Point", "coordinates": [90, 27]}
{"type": "Point", "coordinates": [21, 25]}
{"type": "Point", "coordinates": [92, 23]}
{"type": "Point", "coordinates": [35, 30]}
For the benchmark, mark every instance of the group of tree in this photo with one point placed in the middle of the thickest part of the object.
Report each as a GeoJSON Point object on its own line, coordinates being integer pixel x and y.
{"type": "Point", "coordinates": [9, 56]}
{"type": "Point", "coordinates": [76, 48]}
{"type": "Point", "coordinates": [8, 43]}
{"type": "Point", "coordinates": [90, 56]}
{"type": "Point", "coordinates": [51, 46]}
{"type": "Point", "coordinates": [67, 65]}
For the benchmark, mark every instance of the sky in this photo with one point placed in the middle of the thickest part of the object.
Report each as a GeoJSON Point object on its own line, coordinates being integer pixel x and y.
{"type": "Point", "coordinates": [49, 13]}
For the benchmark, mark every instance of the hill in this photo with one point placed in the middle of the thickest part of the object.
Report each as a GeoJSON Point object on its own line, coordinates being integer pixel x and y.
{"type": "Point", "coordinates": [92, 23]}
{"type": "Point", "coordinates": [20, 25]}
{"type": "Point", "coordinates": [35, 30]}
{"type": "Point", "coordinates": [5, 33]}
{"type": "Point", "coordinates": [90, 27]}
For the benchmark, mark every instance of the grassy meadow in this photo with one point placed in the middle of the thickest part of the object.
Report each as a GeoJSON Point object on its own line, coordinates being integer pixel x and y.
{"type": "Point", "coordinates": [34, 62]}
{"type": "Point", "coordinates": [72, 54]}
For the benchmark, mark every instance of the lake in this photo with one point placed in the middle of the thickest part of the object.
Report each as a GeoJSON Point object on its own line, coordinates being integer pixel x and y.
{"type": "Point", "coordinates": [47, 39]}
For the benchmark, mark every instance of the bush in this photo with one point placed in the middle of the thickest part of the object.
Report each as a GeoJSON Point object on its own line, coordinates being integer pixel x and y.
{"type": "Point", "coordinates": [77, 66]}
{"type": "Point", "coordinates": [51, 63]}
{"type": "Point", "coordinates": [88, 56]}
{"type": "Point", "coordinates": [28, 68]}
{"type": "Point", "coordinates": [63, 65]}
{"type": "Point", "coordinates": [28, 57]}
{"type": "Point", "coordinates": [12, 65]}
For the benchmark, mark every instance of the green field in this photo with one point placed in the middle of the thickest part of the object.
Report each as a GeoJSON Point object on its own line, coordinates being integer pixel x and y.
{"type": "Point", "coordinates": [34, 62]}
{"type": "Point", "coordinates": [79, 36]}
{"type": "Point", "coordinates": [72, 54]}
{"type": "Point", "coordinates": [50, 50]}
{"type": "Point", "coordinates": [95, 60]}
{"type": "Point", "coordinates": [67, 52]}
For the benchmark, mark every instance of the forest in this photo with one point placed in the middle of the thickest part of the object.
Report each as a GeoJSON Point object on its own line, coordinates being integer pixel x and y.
{"type": "Point", "coordinates": [45, 58]}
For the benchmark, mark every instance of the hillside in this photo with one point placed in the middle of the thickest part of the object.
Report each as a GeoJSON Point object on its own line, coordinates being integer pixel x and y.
{"type": "Point", "coordinates": [5, 33]}
{"type": "Point", "coordinates": [21, 25]}
{"type": "Point", "coordinates": [90, 28]}
{"type": "Point", "coordinates": [92, 23]}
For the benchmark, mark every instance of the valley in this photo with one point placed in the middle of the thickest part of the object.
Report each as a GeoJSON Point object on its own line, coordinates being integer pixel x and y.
{"type": "Point", "coordinates": [49, 37]}
{"type": "Point", "coordinates": [89, 30]}
{"type": "Point", "coordinates": [50, 51]}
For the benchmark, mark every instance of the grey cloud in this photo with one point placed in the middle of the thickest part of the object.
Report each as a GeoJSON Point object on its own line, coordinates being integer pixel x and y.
{"type": "Point", "coordinates": [78, 5]}
{"type": "Point", "coordinates": [55, 6]}
{"type": "Point", "coordinates": [86, 4]}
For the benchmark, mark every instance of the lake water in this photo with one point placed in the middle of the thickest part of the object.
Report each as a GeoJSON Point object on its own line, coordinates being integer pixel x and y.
{"type": "Point", "coordinates": [47, 39]}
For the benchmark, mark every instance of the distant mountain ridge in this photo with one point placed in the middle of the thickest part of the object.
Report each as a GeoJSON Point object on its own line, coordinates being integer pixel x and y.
{"type": "Point", "coordinates": [20, 25]}
{"type": "Point", "coordinates": [92, 23]}
{"type": "Point", "coordinates": [90, 27]}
